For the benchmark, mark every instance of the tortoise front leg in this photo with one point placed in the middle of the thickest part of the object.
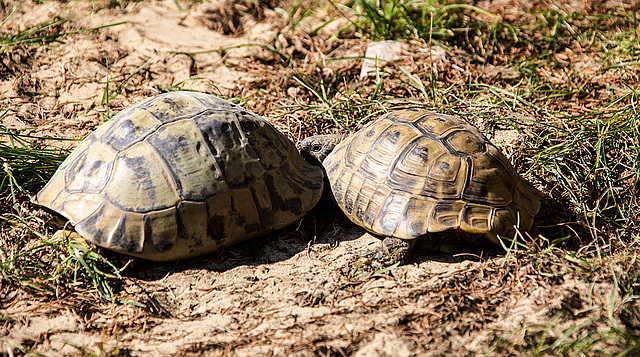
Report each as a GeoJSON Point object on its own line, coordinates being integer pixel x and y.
{"type": "Point", "coordinates": [392, 250]}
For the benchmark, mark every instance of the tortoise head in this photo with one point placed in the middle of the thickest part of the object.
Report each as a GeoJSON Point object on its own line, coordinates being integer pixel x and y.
{"type": "Point", "coordinates": [316, 148]}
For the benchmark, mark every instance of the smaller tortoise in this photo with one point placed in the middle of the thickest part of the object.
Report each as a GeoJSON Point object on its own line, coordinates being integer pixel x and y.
{"type": "Point", "coordinates": [180, 175]}
{"type": "Point", "coordinates": [415, 172]}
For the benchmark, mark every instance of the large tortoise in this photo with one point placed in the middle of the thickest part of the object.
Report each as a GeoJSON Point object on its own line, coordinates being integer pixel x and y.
{"type": "Point", "coordinates": [415, 172]}
{"type": "Point", "coordinates": [180, 175]}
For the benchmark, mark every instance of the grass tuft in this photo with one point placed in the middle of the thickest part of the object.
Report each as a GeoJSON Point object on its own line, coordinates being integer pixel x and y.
{"type": "Point", "coordinates": [409, 19]}
{"type": "Point", "coordinates": [25, 164]}
{"type": "Point", "coordinates": [585, 338]}
{"type": "Point", "coordinates": [51, 266]}
{"type": "Point", "coordinates": [54, 266]}
{"type": "Point", "coordinates": [592, 158]}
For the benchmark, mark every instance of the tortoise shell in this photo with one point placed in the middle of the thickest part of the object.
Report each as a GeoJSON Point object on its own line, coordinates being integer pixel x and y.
{"type": "Point", "coordinates": [179, 175]}
{"type": "Point", "coordinates": [415, 172]}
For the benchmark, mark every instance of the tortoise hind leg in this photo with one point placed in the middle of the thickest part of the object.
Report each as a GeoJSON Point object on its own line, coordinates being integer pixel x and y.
{"type": "Point", "coordinates": [392, 251]}
{"type": "Point", "coordinates": [65, 235]}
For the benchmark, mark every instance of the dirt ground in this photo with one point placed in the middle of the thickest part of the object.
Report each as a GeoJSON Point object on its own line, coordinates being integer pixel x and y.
{"type": "Point", "coordinates": [299, 292]}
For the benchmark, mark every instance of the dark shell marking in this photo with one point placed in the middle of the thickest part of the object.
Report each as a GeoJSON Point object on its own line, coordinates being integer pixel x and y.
{"type": "Point", "coordinates": [180, 175]}
{"type": "Point", "coordinates": [414, 172]}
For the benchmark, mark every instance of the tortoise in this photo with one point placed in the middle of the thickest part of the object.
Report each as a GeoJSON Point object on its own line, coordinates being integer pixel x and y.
{"type": "Point", "coordinates": [180, 175]}
{"type": "Point", "coordinates": [413, 173]}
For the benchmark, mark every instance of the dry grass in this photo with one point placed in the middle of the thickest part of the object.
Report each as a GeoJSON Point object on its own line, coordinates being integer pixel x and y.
{"type": "Point", "coordinates": [565, 81]}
